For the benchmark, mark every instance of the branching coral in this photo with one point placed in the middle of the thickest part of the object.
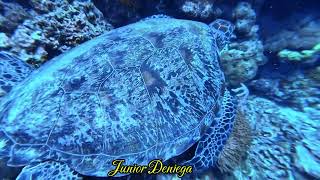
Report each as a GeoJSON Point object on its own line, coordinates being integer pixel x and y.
{"type": "Point", "coordinates": [245, 20]}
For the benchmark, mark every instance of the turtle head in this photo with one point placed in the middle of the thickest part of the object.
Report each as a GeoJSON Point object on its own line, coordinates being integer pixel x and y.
{"type": "Point", "coordinates": [223, 32]}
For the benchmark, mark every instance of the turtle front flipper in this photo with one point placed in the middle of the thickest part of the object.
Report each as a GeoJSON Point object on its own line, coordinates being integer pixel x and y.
{"type": "Point", "coordinates": [213, 143]}
{"type": "Point", "coordinates": [12, 71]}
{"type": "Point", "coordinates": [47, 170]}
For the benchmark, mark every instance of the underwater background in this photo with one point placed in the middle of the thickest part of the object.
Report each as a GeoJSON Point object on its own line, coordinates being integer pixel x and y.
{"type": "Point", "coordinates": [275, 53]}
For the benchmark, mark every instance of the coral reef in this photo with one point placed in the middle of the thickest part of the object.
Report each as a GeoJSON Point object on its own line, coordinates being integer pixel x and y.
{"type": "Point", "coordinates": [304, 56]}
{"type": "Point", "coordinates": [11, 16]}
{"type": "Point", "coordinates": [57, 27]}
{"type": "Point", "coordinates": [298, 90]}
{"type": "Point", "coordinates": [285, 145]}
{"type": "Point", "coordinates": [245, 18]}
{"type": "Point", "coordinates": [202, 9]}
{"type": "Point", "coordinates": [240, 60]}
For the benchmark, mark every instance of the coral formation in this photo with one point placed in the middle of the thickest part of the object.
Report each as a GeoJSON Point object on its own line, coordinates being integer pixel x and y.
{"type": "Point", "coordinates": [300, 56]}
{"type": "Point", "coordinates": [240, 60]}
{"type": "Point", "coordinates": [11, 15]}
{"type": "Point", "coordinates": [201, 9]}
{"type": "Point", "coordinates": [297, 90]}
{"type": "Point", "coordinates": [58, 26]}
{"type": "Point", "coordinates": [284, 139]}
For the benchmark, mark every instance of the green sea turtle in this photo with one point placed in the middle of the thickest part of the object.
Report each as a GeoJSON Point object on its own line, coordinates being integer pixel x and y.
{"type": "Point", "coordinates": [149, 90]}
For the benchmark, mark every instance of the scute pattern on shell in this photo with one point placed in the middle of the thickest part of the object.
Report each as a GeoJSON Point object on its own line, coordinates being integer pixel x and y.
{"type": "Point", "coordinates": [144, 91]}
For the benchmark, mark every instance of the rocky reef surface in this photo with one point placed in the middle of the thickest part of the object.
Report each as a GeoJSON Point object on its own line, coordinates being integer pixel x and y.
{"type": "Point", "coordinates": [48, 28]}
{"type": "Point", "coordinates": [286, 142]}
{"type": "Point", "coordinates": [299, 90]}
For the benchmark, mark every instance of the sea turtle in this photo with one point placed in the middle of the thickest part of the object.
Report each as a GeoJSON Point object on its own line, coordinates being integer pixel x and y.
{"type": "Point", "coordinates": [148, 90]}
